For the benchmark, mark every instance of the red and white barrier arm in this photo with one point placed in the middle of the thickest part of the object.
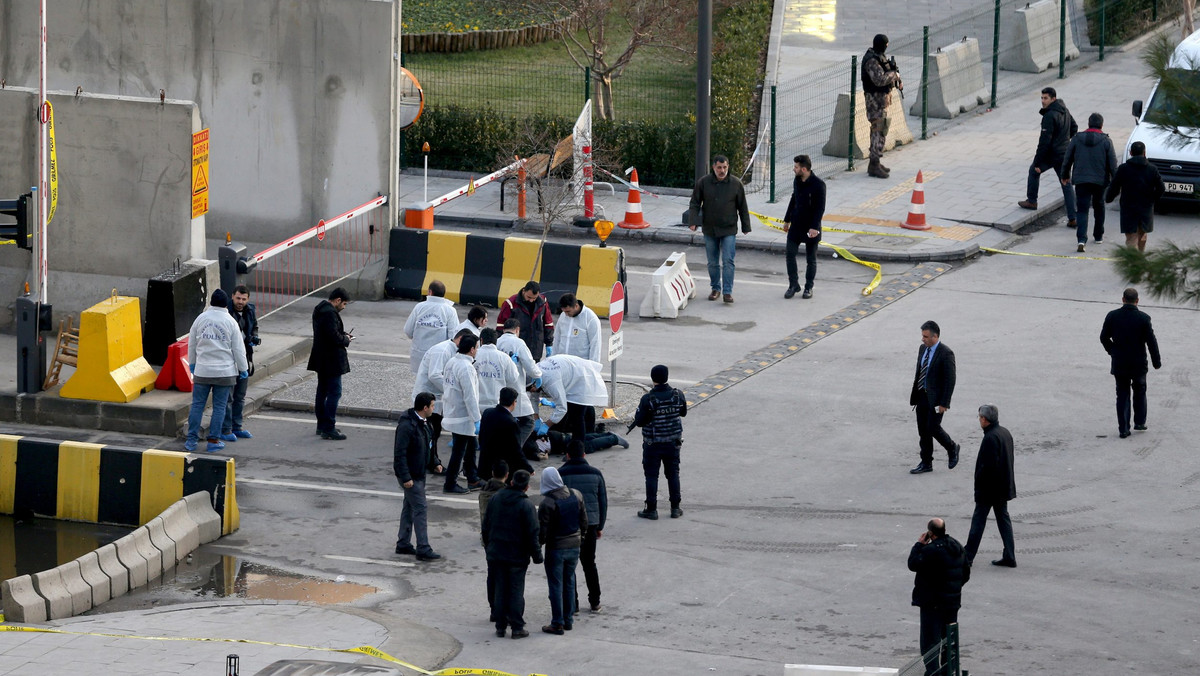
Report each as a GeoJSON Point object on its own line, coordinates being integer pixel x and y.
{"type": "Point", "coordinates": [499, 173]}
{"type": "Point", "coordinates": [317, 230]}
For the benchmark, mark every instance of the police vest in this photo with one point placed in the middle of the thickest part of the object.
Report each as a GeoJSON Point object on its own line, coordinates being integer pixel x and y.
{"type": "Point", "coordinates": [868, 84]}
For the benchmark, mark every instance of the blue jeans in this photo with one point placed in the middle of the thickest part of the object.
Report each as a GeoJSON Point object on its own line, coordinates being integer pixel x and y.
{"type": "Point", "coordinates": [220, 395]}
{"type": "Point", "coordinates": [1031, 188]}
{"type": "Point", "coordinates": [1089, 195]}
{"type": "Point", "coordinates": [720, 252]}
{"type": "Point", "coordinates": [233, 409]}
{"type": "Point", "coordinates": [329, 393]}
{"type": "Point", "coordinates": [560, 576]}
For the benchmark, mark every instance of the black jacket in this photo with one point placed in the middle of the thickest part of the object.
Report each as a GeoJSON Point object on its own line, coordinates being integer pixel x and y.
{"type": "Point", "coordinates": [806, 208]}
{"type": "Point", "coordinates": [247, 321]}
{"type": "Point", "coordinates": [1140, 186]}
{"type": "Point", "coordinates": [500, 439]}
{"type": "Point", "coordinates": [1125, 336]}
{"type": "Point", "coordinates": [410, 452]}
{"type": "Point", "coordinates": [562, 518]}
{"type": "Point", "coordinates": [589, 481]}
{"type": "Point", "coordinates": [994, 479]}
{"type": "Point", "coordinates": [942, 570]}
{"type": "Point", "coordinates": [1057, 129]}
{"type": "Point", "coordinates": [939, 381]}
{"type": "Point", "coordinates": [717, 206]}
{"type": "Point", "coordinates": [659, 413]}
{"type": "Point", "coordinates": [328, 356]}
{"type": "Point", "coordinates": [510, 529]}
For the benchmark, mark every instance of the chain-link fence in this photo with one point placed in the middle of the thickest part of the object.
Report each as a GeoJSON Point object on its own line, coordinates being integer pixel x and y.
{"type": "Point", "coordinates": [976, 59]}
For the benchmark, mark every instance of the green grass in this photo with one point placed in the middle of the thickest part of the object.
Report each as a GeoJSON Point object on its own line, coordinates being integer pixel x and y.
{"type": "Point", "coordinates": [460, 16]}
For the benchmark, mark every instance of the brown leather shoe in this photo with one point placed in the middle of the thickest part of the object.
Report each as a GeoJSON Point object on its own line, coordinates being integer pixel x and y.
{"type": "Point", "coordinates": [715, 294]}
{"type": "Point", "coordinates": [1026, 204]}
{"type": "Point", "coordinates": [729, 298]}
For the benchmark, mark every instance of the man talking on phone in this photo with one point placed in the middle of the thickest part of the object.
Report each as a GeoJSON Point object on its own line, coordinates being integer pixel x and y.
{"type": "Point", "coordinates": [328, 358]}
{"type": "Point", "coordinates": [941, 568]}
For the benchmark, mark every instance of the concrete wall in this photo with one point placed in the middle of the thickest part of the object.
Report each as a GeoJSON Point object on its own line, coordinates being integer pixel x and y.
{"type": "Point", "coordinates": [124, 205]}
{"type": "Point", "coordinates": [297, 93]}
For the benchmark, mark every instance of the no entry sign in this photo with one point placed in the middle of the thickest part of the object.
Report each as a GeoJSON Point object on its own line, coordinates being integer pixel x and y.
{"type": "Point", "coordinates": [616, 307]}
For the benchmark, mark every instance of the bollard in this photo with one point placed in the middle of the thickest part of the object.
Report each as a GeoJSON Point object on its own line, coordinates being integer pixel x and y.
{"type": "Point", "coordinates": [232, 662]}
{"type": "Point", "coordinates": [521, 177]}
{"type": "Point", "coordinates": [850, 137]}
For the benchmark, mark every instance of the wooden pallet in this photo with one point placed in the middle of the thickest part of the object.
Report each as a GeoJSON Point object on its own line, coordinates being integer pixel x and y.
{"type": "Point", "coordinates": [65, 352]}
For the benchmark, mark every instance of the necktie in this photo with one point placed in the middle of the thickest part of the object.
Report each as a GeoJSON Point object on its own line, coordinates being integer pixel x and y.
{"type": "Point", "coordinates": [924, 369]}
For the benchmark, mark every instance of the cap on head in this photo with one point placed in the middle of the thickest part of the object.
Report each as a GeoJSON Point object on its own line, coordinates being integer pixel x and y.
{"type": "Point", "coordinates": [659, 374]}
{"type": "Point", "coordinates": [880, 43]}
{"type": "Point", "coordinates": [219, 298]}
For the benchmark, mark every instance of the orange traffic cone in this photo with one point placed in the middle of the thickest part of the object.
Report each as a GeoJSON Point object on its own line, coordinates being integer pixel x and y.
{"type": "Point", "coordinates": [916, 210]}
{"type": "Point", "coordinates": [633, 208]}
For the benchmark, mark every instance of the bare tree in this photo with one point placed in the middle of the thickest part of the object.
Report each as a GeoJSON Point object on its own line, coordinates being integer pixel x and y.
{"type": "Point", "coordinates": [1189, 12]}
{"type": "Point", "coordinates": [554, 197]}
{"type": "Point", "coordinates": [611, 32]}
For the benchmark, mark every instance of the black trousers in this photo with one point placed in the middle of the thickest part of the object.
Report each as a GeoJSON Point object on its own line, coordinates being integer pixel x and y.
{"type": "Point", "coordinates": [580, 420]}
{"type": "Point", "coordinates": [810, 259]}
{"type": "Point", "coordinates": [929, 427]}
{"type": "Point", "coordinates": [979, 523]}
{"type": "Point", "coordinates": [587, 560]}
{"type": "Point", "coordinates": [667, 456]}
{"type": "Point", "coordinates": [1125, 383]}
{"type": "Point", "coordinates": [934, 620]}
{"type": "Point", "coordinates": [462, 454]}
{"type": "Point", "coordinates": [508, 594]}
{"type": "Point", "coordinates": [435, 427]}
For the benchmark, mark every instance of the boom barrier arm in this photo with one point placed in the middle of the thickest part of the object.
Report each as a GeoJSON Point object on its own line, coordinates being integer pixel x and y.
{"type": "Point", "coordinates": [246, 265]}
{"type": "Point", "coordinates": [499, 173]}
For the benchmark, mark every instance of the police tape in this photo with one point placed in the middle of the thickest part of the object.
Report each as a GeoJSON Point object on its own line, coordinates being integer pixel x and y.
{"type": "Point", "coordinates": [1040, 255]}
{"type": "Point", "coordinates": [770, 222]}
{"type": "Point", "coordinates": [360, 650]}
{"type": "Point", "coordinates": [627, 183]}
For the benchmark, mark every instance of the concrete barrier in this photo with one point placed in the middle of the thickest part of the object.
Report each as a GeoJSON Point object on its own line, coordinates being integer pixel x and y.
{"type": "Point", "coordinates": [111, 366]}
{"type": "Point", "coordinates": [162, 542]}
{"type": "Point", "coordinates": [898, 133]}
{"type": "Point", "coordinates": [208, 522]}
{"type": "Point", "coordinates": [955, 81]}
{"type": "Point", "coordinates": [1029, 38]}
{"type": "Point", "coordinates": [483, 270]}
{"type": "Point", "coordinates": [152, 554]}
{"type": "Point", "coordinates": [117, 573]}
{"type": "Point", "coordinates": [671, 287]}
{"type": "Point", "coordinates": [131, 558]}
{"type": "Point", "coordinates": [174, 299]}
{"type": "Point", "coordinates": [50, 586]}
{"type": "Point", "coordinates": [77, 588]}
{"type": "Point", "coordinates": [180, 527]}
{"type": "Point", "coordinates": [21, 601]}
{"type": "Point", "coordinates": [98, 582]}
{"type": "Point", "coordinates": [828, 670]}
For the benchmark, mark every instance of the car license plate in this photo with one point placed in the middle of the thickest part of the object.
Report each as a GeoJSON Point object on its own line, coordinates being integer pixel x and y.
{"type": "Point", "coordinates": [1180, 187]}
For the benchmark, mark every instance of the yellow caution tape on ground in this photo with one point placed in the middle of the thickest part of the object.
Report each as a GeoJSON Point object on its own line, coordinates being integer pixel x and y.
{"type": "Point", "coordinates": [1022, 253]}
{"type": "Point", "coordinates": [362, 650]}
{"type": "Point", "coordinates": [770, 222]}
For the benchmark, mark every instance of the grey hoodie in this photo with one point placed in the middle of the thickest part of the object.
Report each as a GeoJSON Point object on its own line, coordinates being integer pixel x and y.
{"type": "Point", "coordinates": [1092, 154]}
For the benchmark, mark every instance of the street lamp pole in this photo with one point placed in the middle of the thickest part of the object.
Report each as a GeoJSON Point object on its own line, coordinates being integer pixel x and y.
{"type": "Point", "coordinates": [703, 86]}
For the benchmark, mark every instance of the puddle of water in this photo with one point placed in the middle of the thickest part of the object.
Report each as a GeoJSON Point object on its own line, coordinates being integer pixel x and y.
{"type": "Point", "coordinates": [32, 545]}
{"type": "Point", "coordinates": [234, 578]}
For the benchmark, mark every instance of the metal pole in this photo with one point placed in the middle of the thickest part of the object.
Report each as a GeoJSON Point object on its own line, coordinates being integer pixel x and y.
{"type": "Point", "coordinates": [850, 135]}
{"type": "Point", "coordinates": [925, 83]}
{"type": "Point", "coordinates": [40, 260]}
{"type": "Point", "coordinates": [773, 88]}
{"type": "Point", "coordinates": [587, 84]}
{"type": "Point", "coordinates": [995, 51]}
{"type": "Point", "coordinates": [1062, 39]}
{"type": "Point", "coordinates": [612, 394]}
{"type": "Point", "coordinates": [1154, 13]}
{"type": "Point", "coordinates": [703, 86]}
{"type": "Point", "coordinates": [1103, 3]}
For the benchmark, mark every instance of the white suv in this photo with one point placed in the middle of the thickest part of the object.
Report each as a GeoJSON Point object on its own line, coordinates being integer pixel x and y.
{"type": "Point", "coordinates": [1178, 165]}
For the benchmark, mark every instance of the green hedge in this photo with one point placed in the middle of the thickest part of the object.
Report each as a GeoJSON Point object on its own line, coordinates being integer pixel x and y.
{"type": "Point", "coordinates": [663, 151]}
{"type": "Point", "coordinates": [1124, 19]}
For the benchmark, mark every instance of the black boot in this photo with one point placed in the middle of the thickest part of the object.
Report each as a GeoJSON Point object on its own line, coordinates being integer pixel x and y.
{"type": "Point", "coordinates": [650, 512]}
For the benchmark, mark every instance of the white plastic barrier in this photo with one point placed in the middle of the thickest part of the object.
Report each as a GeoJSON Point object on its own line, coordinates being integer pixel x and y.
{"type": "Point", "coordinates": [898, 132]}
{"type": "Point", "coordinates": [826, 670]}
{"type": "Point", "coordinates": [670, 289]}
{"type": "Point", "coordinates": [1029, 42]}
{"type": "Point", "coordinates": [955, 81]}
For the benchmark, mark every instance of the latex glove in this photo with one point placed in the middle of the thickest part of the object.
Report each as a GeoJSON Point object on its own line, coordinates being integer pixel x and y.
{"type": "Point", "coordinates": [547, 402]}
{"type": "Point", "coordinates": [540, 429]}
{"type": "Point", "coordinates": [549, 350]}
{"type": "Point", "coordinates": [476, 428]}
{"type": "Point", "coordinates": [192, 368]}
{"type": "Point", "coordinates": [537, 383]}
{"type": "Point", "coordinates": [516, 359]}
{"type": "Point", "coordinates": [242, 375]}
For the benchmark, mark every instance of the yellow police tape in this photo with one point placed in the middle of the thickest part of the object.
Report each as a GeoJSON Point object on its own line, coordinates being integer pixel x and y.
{"type": "Point", "coordinates": [1022, 253]}
{"type": "Point", "coordinates": [362, 650]}
{"type": "Point", "coordinates": [770, 222]}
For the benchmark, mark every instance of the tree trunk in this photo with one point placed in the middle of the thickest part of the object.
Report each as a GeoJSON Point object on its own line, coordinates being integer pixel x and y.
{"type": "Point", "coordinates": [1188, 17]}
{"type": "Point", "coordinates": [604, 102]}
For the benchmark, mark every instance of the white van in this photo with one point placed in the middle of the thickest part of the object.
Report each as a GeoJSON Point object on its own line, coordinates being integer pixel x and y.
{"type": "Point", "coordinates": [1179, 166]}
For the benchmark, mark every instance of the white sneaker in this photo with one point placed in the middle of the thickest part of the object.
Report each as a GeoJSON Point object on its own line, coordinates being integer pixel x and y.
{"type": "Point", "coordinates": [1079, 248]}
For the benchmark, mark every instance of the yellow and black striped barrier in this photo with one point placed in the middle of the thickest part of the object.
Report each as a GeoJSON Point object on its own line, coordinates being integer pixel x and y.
{"type": "Point", "coordinates": [97, 483]}
{"type": "Point", "coordinates": [771, 221]}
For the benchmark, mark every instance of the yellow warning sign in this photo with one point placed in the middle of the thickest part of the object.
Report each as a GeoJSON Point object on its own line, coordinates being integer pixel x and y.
{"type": "Point", "coordinates": [200, 173]}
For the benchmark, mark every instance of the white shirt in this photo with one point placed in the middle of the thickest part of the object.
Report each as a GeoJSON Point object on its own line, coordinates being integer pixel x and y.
{"type": "Point", "coordinates": [567, 379]}
{"type": "Point", "coordinates": [215, 345]}
{"type": "Point", "coordinates": [578, 335]}
{"type": "Point", "coordinates": [496, 371]}
{"type": "Point", "coordinates": [429, 373]}
{"type": "Point", "coordinates": [461, 400]}
{"type": "Point", "coordinates": [431, 321]}
{"type": "Point", "coordinates": [527, 369]}
{"type": "Point", "coordinates": [467, 324]}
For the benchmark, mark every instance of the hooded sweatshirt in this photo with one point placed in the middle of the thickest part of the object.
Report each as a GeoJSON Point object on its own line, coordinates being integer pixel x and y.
{"type": "Point", "coordinates": [562, 516]}
{"type": "Point", "coordinates": [1094, 159]}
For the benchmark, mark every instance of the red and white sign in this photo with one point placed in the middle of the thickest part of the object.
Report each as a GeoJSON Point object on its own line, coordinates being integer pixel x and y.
{"type": "Point", "coordinates": [616, 307]}
{"type": "Point", "coordinates": [321, 230]}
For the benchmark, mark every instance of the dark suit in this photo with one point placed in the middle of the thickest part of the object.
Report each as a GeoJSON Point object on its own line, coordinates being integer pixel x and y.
{"type": "Point", "coordinates": [936, 391]}
{"type": "Point", "coordinates": [1126, 335]}
{"type": "Point", "coordinates": [995, 485]}
{"type": "Point", "coordinates": [804, 213]}
{"type": "Point", "coordinates": [500, 439]}
{"type": "Point", "coordinates": [328, 358]}
{"type": "Point", "coordinates": [941, 571]}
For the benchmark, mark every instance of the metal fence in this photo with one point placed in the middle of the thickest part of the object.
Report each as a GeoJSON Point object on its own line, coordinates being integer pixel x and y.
{"type": "Point", "coordinates": [940, 660]}
{"type": "Point", "coordinates": [802, 113]}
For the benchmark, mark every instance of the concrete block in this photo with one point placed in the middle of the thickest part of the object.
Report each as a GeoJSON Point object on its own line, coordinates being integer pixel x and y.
{"type": "Point", "coordinates": [200, 508]}
{"type": "Point", "coordinates": [152, 554]}
{"type": "Point", "coordinates": [50, 586]}
{"type": "Point", "coordinates": [161, 542]}
{"type": "Point", "coordinates": [129, 555]}
{"type": "Point", "coordinates": [96, 579]}
{"type": "Point", "coordinates": [828, 670]}
{"type": "Point", "coordinates": [898, 133]}
{"type": "Point", "coordinates": [955, 81]}
{"type": "Point", "coordinates": [181, 528]}
{"type": "Point", "coordinates": [56, 411]}
{"type": "Point", "coordinates": [1029, 38]}
{"type": "Point", "coordinates": [78, 588]}
{"type": "Point", "coordinates": [22, 603]}
{"type": "Point", "coordinates": [114, 570]}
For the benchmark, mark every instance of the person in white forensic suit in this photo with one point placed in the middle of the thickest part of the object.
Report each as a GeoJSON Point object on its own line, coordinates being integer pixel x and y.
{"type": "Point", "coordinates": [461, 415]}
{"type": "Point", "coordinates": [573, 386]}
{"type": "Point", "coordinates": [430, 322]}
{"type": "Point", "coordinates": [578, 330]}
